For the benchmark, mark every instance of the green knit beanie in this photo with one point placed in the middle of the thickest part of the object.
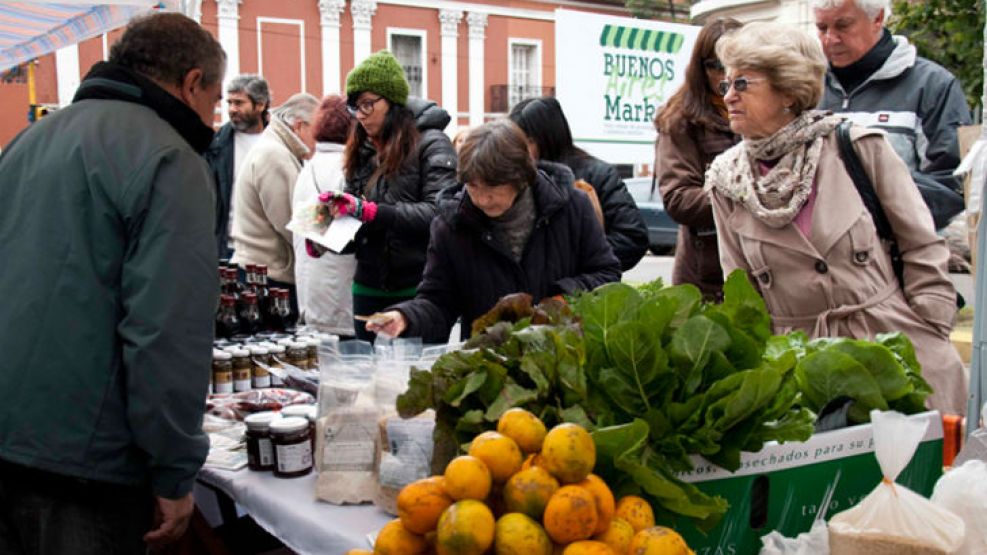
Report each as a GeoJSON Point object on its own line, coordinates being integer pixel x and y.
{"type": "Point", "coordinates": [382, 74]}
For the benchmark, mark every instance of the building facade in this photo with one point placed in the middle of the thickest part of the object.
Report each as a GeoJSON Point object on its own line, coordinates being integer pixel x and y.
{"type": "Point", "coordinates": [794, 12]}
{"type": "Point", "coordinates": [476, 59]}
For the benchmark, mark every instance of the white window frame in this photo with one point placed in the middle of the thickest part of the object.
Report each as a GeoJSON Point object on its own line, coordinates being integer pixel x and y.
{"type": "Point", "coordinates": [537, 69]}
{"type": "Point", "coordinates": [301, 44]}
{"type": "Point", "coordinates": [422, 34]}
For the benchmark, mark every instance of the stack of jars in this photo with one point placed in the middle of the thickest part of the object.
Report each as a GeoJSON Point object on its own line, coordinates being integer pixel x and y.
{"type": "Point", "coordinates": [244, 365]}
{"type": "Point", "coordinates": [282, 441]}
{"type": "Point", "coordinates": [249, 307]}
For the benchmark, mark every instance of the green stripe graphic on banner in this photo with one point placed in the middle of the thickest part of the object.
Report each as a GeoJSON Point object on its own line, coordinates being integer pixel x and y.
{"type": "Point", "coordinates": [642, 43]}
{"type": "Point", "coordinates": [631, 38]}
{"type": "Point", "coordinates": [641, 39]}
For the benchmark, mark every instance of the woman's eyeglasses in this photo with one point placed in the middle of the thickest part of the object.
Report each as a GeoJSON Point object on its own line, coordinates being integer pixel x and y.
{"type": "Point", "coordinates": [712, 64]}
{"type": "Point", "coordinates": [366, 107]}
{"type": "Point", "coordinates": [740, 85]}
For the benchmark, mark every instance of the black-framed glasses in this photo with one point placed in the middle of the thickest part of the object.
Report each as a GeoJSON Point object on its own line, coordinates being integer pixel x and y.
{"type": "Point", "coordinates": [366, 107]}
{"type": "Point", "coordinates": [712, 64]}
{"type": "Point", "coordinates": [740, 85]}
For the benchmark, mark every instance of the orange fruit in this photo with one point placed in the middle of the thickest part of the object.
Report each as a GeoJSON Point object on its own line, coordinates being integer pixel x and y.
{"type": "Point", "coordinates": [658, 540]}
{"type": "Point", "coordinates": [359, 552]}
{"type": "Point", "coordinates": [467, 478]}
{"type": "Point", "coordinates": [528, 491]}
{"type": "Point", "coordinates": [526, 429]}
{"type": "Point", "coordinates": [499, 452]}
{"type": "Point", "coordinates": [605, 505]}
{"type": "Point", "coordinates": [420, 504]}
{"type": "Point", "coordinates": [465, 528]}
{"type": "Point", "coordinates": [395, 539]}
{"type": "Point", "coordinates": [618, 536]}
{"type": "Point", "coordinates": [636, 511]}
{"type": "Point", "coordinates": [532, 460]}
{"type": "Point", "coordinates": [569, 453]}
{"type": "Point", "coordinates": [570, 515]}
{"type": "Point", "coordinates": [588, 547]}
{"type": "Point", "coordinates": [518, 534]}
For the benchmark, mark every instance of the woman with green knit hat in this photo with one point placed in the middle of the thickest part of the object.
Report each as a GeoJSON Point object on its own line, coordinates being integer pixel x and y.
{"type": "Point", "coordinates": [397, 159]}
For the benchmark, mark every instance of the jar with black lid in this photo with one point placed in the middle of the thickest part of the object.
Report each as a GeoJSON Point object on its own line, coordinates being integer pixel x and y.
{"type": "Point", "coordinates": [222, 372]}
{"type": "Point", "coordinates": [292, 447]}
{"type": "Point", "coordinates": [260, 451]}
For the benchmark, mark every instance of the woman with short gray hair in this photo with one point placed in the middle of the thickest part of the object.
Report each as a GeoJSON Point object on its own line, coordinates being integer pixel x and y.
{"type": "Point", "coordinates": [788, 212]}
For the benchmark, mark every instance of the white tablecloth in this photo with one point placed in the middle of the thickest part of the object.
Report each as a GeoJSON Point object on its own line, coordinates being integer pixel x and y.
{"type": "Point", "coordinates": [288, 510]}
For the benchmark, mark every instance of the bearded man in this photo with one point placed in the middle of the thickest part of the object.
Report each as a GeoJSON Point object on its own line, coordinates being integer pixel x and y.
{"type": "Point", "coordinates": [249, 100]}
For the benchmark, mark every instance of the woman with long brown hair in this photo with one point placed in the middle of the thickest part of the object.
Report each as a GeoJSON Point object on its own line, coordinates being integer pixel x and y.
{"type": "Point", "coordinates": [396, 161]}
{"type": "Point", "coordinates": [693, 130]}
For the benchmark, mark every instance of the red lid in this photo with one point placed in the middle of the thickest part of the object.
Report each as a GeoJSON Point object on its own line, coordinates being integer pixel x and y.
{"type": "Point", "coordinates": [249, 297]}
{"type": "Point", "coordinates": [227, 300]}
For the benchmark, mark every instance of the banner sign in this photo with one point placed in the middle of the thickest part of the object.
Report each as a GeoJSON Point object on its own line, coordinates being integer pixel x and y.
{"type": "Point", "coordinates": [612, 74]}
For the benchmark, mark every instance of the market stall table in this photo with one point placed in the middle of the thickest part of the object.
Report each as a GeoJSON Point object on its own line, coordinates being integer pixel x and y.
{"type": "Point", "coordinates": [288, 510]}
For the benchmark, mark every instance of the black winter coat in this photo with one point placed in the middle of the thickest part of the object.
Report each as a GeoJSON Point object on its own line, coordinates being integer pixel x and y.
{"type": "Point", "coordinates": [625, 228]}
{"type": "Point", "coordinates": [469, 267]}
{"type": "Point", "coordinates": [390, 250]}
{"type": "Point", "coordinates": [220, 159]}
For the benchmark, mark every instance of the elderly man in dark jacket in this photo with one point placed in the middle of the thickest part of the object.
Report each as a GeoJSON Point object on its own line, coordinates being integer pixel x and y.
{"type": "Point", "coordinates": [508, 228]}
{"type": "Point", "coordinates": [110, 290]}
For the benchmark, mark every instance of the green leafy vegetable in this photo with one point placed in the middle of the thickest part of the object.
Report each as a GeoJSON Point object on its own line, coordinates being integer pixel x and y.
{"type": "Point", "coordinates": [659, 377]}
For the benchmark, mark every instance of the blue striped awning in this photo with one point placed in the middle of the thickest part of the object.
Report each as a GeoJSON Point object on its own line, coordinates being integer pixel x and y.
{"type": "Point", "coordinates": [33, 28]}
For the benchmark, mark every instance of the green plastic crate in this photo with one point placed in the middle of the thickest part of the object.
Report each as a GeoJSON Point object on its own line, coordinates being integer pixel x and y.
{"type": "Point", "coordinates": [782, 486]}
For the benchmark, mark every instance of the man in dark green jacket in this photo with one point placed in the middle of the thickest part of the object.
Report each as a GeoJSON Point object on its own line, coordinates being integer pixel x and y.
{"type": "Point", "coordinates": [109, 291]}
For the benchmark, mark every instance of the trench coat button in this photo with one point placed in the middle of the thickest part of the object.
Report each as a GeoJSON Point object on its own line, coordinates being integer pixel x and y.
{"type": "Point", "coordinates": [765, 277]}
{"type": "Point", "coordinates": [860, 256]}
{"type": "Point", "coordinates": [821, 266]}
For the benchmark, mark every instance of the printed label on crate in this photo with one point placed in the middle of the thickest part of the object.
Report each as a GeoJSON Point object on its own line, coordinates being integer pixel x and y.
{"type": "Point", "coordinates": [827, 446]}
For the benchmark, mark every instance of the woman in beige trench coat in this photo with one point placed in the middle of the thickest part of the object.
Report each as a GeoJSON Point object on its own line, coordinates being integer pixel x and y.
{"type": "Point", "coordinates": [788, 213]}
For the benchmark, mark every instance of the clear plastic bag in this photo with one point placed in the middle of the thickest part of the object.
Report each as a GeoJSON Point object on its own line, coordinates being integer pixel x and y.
{"type": "Point", "coordinates": [963, 490]}
{"type": "Point", "coordinates": [404, 446]}
{"type": "Point", "coordinates": [893, 520]}
{"type": "Point", "coordinates": [346, 425]}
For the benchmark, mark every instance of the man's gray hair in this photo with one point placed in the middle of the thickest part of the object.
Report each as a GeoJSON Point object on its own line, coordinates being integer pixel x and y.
{"type": "Point", "coordinates": [870, 7]}
{"type": "Point", "coordinates": [252, 85]}
{"type": "Point", "coordinates": [301, 106]}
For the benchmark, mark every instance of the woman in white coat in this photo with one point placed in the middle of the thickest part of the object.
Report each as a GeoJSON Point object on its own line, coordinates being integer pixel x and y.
{"type": "Point", "coordinates": [324, 299]}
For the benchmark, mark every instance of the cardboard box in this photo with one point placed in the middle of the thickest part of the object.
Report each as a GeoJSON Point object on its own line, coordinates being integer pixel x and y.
{"type": "Point", "coordinates": [782, 486]}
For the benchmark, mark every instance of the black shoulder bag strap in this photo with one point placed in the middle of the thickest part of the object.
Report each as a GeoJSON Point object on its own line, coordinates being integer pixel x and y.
{"type": "Point", "coordinates": [867, 193]}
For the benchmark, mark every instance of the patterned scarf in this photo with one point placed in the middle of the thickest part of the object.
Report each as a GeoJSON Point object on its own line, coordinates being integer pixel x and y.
{"type": "Point", "coordinates": [776, 197]}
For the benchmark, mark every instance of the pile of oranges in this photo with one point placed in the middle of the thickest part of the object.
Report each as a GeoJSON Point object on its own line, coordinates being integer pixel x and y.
{"type": "Point", "coordinates": [523, 490]}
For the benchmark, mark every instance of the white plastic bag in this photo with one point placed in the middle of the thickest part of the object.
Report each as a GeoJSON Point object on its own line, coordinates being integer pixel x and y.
{"type": "Point", "coordinates": [892, 519]}
{"type": "Point", "coordinates": [963, 490]}
{"type": "Point", "coordinates": [813, 542]}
